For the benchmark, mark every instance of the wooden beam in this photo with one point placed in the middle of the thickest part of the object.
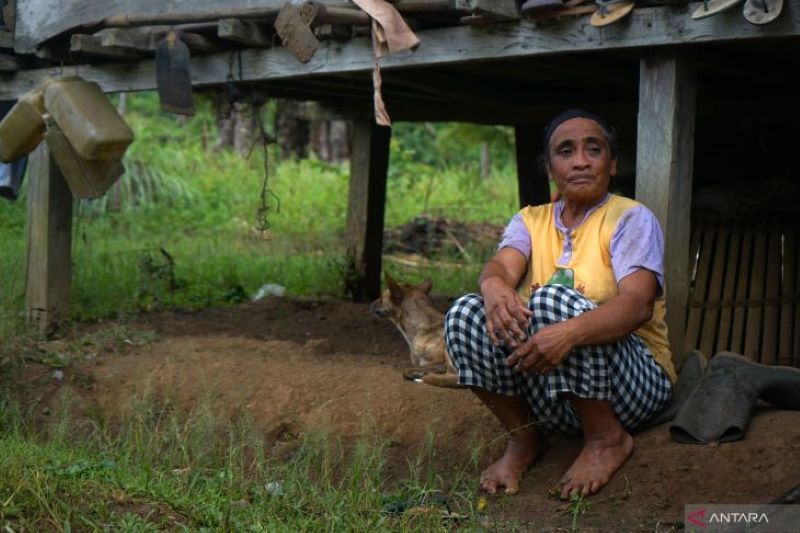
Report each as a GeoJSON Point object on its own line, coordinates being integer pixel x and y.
{"type": "Point", "coordinates": [473, 91]}
{"type": "Point", "coordinates": [524, 39]}
{"type": "Point", "coordinates": [369, 164]}
{"type": "Point", "coordinates": [9, 63]}
{"type": "Point", "coordinates": [54, 53]}
{"type": "Point", "coordinates": [127, 39]}
{"type": "Point", "coordinates": [316, 14]}
{"type": "Point", "coordinates": [495, 9]}
{"type": "Point", "coordinates": [243, 32]}
{"type": "Point", "coordinates": [9, 14]}
{"type": "Point", "coordinates": [143, 41]}
{"type": "Point", "coordinates": [91, 45]}
{"type": "Point", "coordinates": [532, 183]}
{"type": "Point", "coordinates": [408, 111]}
{"type": "Point", "coordinates": [535, 115]}
{"type": "Point", "coordinates": [6, 39]}
{"type": "Point", "coordinates": [41, 20]}
{"type": "Point", "coordinates": [198, 43]}
{"type": "Point", "coordinates": [664, 161]}
{"type": "Point", "coordinates": [338, 32]}
{"type": "Point", "coordinates": [49, 270]}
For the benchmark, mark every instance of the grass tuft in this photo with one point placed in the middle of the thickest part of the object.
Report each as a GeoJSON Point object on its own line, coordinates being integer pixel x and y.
{"type": "Point", "coordinates": [164, 469]}
{"type": "Point", "coordinates": [180, 230]}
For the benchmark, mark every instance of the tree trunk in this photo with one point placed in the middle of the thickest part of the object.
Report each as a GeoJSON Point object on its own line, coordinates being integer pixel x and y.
{"type": "Point", "coordinates": [122, 104]}
{"type": "Point", "coordinates": [225, 122]}
{"type": "Point", "coordinates": [291, 131]}
{"type": "Point", "coordinates": [244, 131]}
{"type": "Point", "coordinates": [486, 161]}
{"type": "Point", "coordinates": [236, 124]}
{"type": "Point", "coordinates": [330, 140]}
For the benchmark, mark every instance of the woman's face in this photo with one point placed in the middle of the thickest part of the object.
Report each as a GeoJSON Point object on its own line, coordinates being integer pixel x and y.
{"type": "Point", "coordinates": [579, 161]}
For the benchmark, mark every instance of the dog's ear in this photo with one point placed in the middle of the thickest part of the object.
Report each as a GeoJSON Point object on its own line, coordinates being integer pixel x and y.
{"type": "Point", "coordinates": [395, 291]}
{"type": "Point", "coordinates": [425, 286]}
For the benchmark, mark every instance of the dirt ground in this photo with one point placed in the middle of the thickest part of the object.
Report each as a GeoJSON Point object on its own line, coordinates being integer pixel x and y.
{"type": "Point", "coordinates": [300, 364]}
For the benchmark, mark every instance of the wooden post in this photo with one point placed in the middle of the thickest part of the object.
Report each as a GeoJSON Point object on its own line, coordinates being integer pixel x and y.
{"type": "Point", "coordinates": [664, 161]}
{"type": "Point", "coordinates": [369, 163]}
{"type": "Point", "coordinates": [532, 183]}
{"type": "Point", "coordinates": [49, 269]}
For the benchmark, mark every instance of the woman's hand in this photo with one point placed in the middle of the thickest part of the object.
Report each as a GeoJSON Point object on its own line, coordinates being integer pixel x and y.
{"type": "Point", "coordinates": [506, 316]}
{"type": "Point", "coordinates": [545, 350]}
{"type": "Point", "coordinates": [611, 321]}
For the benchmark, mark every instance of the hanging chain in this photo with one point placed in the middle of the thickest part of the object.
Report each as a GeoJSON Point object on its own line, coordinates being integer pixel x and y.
{"type": "Point", "coordinates": [234, 94]}
{"type": "Point", "coordinates": [262, 222]}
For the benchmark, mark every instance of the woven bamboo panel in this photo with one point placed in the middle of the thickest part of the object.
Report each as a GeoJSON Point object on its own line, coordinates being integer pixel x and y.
{"type": "Point", "coordinates": [744, 294]}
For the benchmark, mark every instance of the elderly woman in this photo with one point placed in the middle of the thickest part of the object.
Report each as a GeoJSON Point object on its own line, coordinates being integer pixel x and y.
{"type": "Point", "coordinates": [588, 353]}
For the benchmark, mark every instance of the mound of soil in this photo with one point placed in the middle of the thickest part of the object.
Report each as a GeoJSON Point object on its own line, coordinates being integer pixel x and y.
{"type": "Point", "coordinates": [428, 237]}
{"type": "Point", "coordinates": [299, 364]}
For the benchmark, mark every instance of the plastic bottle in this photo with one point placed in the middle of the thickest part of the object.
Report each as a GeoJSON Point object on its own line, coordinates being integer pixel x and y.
{"type": "Point", "coordinates": [88, 118]}
{"type": "Point", "coordinates": [22, 129]}
{"type": "Point", "coordinates": [86, 178]}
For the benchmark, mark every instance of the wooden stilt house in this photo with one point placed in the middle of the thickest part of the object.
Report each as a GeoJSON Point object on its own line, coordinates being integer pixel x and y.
{"type": "Point", "coordinates": [701, 106]}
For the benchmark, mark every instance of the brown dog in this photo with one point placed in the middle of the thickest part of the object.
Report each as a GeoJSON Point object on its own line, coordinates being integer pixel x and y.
{"type": "Point", "coordinates": [422, 326]}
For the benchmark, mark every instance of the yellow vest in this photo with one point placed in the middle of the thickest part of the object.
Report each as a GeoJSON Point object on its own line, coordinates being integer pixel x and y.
{"type": "Point", "coordinates": [591, 264]}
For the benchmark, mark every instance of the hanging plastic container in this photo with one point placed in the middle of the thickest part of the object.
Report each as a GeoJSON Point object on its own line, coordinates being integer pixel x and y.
{"type": "Point", "coordinates": [22, 129]}
{"type": "Point", "coordinates": [86, 178]}
{"type": "Point", "coordinates": [88, 118]}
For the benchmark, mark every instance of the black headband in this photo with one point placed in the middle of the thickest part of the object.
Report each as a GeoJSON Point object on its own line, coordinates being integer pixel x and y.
{"type": "Point", "coordinates": [569, 114]}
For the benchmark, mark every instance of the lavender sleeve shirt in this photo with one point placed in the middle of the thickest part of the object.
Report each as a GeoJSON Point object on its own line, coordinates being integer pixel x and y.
{"type": "Point", "coordinates": [637, 242]}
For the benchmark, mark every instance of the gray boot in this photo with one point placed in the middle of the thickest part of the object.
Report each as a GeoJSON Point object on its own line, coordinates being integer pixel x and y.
{"type": "Point", "coordinates": [721, 407]}
{"type": "Point", "coordinates": [689, 377]}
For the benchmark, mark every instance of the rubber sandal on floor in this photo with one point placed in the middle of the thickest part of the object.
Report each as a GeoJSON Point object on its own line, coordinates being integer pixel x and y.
{"type": "Point", "coordinates": [762, 11]}
{"type": "Point", "coordinates": [712, 7]}
{"type": "Point", "coordinates": [569, 8]}
{"type": "Point", "coordinates": [532, 7]}
{"type": "Point", "coordinates": [611, 11]}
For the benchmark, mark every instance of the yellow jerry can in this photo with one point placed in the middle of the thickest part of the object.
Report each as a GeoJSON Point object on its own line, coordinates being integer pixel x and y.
{"type": "Point", "coordinates": [86, 178]}
{"type": "Point", "coordinates": [22, 129]}
{"type": "Point", "coordinates": [87, 118]}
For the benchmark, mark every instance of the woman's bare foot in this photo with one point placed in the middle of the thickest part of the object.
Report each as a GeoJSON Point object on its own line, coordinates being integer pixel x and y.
{"type": "Point", "coordinates": [597, 462]}
{"type": "Point", "coordinates": [522, 449]}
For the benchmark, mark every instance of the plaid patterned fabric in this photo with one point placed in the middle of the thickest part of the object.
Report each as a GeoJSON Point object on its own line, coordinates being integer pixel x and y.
{"type": "Point", "coordinates": [623, 373]}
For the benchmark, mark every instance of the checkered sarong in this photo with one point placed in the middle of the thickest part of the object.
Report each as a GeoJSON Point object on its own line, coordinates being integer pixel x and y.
{"type": "Point", "coordinates": [623, 373]}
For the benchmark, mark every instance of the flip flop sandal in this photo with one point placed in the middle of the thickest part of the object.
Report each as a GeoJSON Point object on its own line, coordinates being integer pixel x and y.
{"type": "Point", "coordinates": [569, 8]}
{"type": "Point", "coordinates": [712, 7]}
{"type": "Point", "coordinates": [762, 11]}
{"type": "Point", "coordinates": [611, 11]}
{"type": "Point", "coordinates": [535, 6]}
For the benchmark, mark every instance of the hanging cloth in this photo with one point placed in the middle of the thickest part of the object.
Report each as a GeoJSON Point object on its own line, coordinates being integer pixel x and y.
{"type": "Point", "coordinates": [390, 34]}
{"type": "Point", "coordinates": [11, 174]}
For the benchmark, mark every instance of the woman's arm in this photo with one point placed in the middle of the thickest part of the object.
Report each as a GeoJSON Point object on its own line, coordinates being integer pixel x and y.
{"type": "Point", "coordinates": [615, 318]}
{"type": "Point", "coordinates": [506, 316]}
{"type": "Point", "coordinates": [637, 257]}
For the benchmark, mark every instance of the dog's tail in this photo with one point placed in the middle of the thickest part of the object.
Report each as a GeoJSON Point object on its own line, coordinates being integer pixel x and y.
{"type": "Point", "coordinates": [448, 380]}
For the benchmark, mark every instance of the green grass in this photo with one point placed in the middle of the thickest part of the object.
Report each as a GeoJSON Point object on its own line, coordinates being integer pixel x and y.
{"type": "Point", "coordinates": [161, 469]}
{"type": "Point", "coordinates": [181, 231]}
{"type": "Point", "coordinates": [200, 207]}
